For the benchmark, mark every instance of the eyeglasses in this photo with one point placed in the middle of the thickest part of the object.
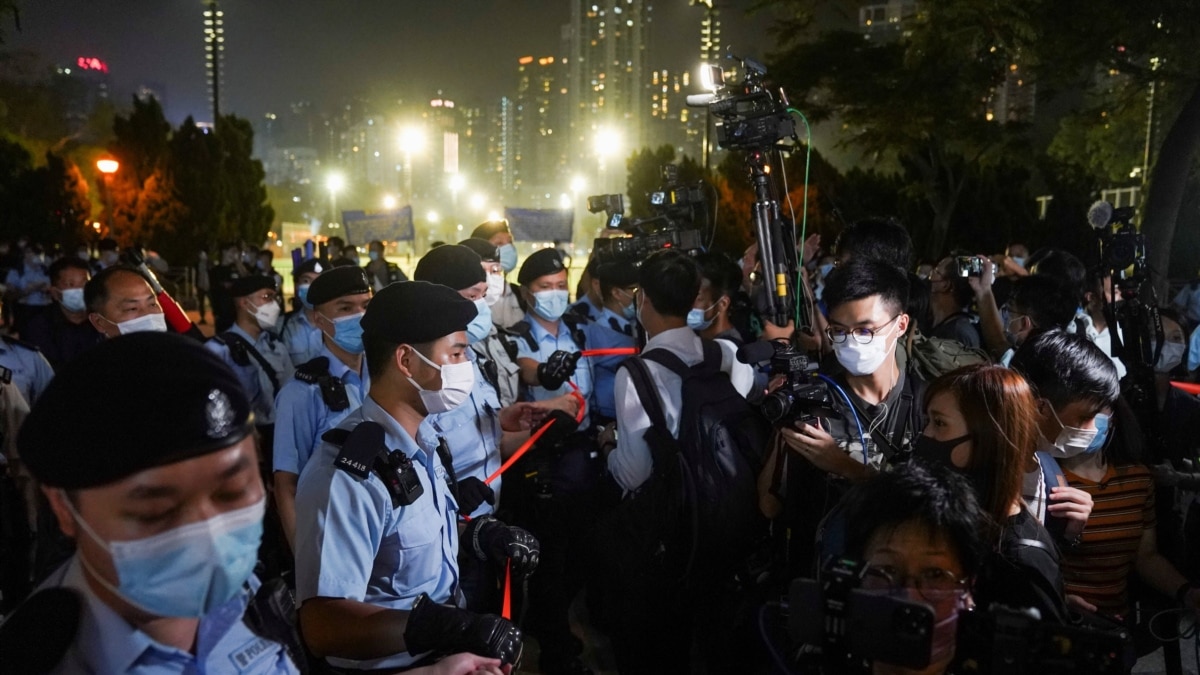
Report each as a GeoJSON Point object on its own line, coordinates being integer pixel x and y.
{"type": "Point", "coordinates": [862, 336]}
{"type": "Point", "coordinates": [934, 584]}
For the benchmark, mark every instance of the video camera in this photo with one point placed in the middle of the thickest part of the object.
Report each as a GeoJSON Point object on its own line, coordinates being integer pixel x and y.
{"type": "Point", "coordinates": [801, 398]}
{"type": "Point", "coordinates": [748, 115]}
{"type": "Point", "coordinates": [1121, 245]}
{"type": "Point", "coordinates": [676, 208]}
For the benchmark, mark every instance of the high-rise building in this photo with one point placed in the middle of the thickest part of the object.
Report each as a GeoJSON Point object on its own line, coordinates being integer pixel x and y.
{"type": "Point", "coordinates": [501, 171]}
{"type": "Point", "coordinates": [606, 86]}
{"type": "Point", "coordinates": [539, 124]}
{"type": "Point", "coordinates": [710, 31]}
{"type": "Point", "coordinates": [214, 52]}
{"type": "Point", "coordinates": [671, 121]}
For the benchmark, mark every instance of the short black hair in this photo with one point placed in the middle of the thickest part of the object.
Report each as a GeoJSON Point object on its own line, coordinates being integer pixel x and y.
{"type": "Point", "coordinates": [378, 351]}
{"type": "Point", "coordinates": [337, 241]}
{"type": "Point", "coordinates": [1064, 368]}
{"type": "Point", "coordinates": [107, 244]}
{"type": "Point", "coordinates": [959, 286]}
{"type": "Point", "coordinates": [723, 275]}
{"type": "Point", "coordinates": [882, 239]}
{"type": "Point", "coordinates": [1044, 300]}
{"type": "Point", "coordinates": [66, 263]}
{"type": "Point", "coordinates": [929, 494]}
{"type": "Point", "coordinates": [863, 277]}
{"type": "Point", "coordinates": [95, 291]}
{"type": "Point", "coordinates": [1066, 269]}
{"type": "Point", "coordinates": [267, 252]}
{"type": "Point", "coordinates": [671, 280]}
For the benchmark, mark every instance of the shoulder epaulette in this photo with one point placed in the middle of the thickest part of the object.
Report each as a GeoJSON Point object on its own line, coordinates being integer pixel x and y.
{"type": "Point", "coordinates": [311, 371]}
{"type": "Point", "coordinates": [522, 329]}
{"type": "Point", "coordinates": [359, 447]}
{"type": "Point", "coordinates": [20, 343]}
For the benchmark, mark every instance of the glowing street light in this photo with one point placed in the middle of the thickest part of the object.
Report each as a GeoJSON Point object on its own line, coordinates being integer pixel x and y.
{"type": "Point", "coordinates": [433, 217]}
{"type": "Point", "coordinates": [412, 141]}
{"type": "Point", "coordinates": [493, 215]}
{"type": "Point", "coordinates": [478, 201]}
{"type": "Point", "coordinates": [564, 201]}
{"type": "Point", "coordinates": [389, 202]}
{"type": "Point", "coordinates": [108, 166]}
{"type": "Point", "coordinates": [578, 184]}
{"type": "Point", "coordinates": [607, 145]}
{"type": "Point", "coordinates": [457, 182]}
{"type": "Point", "coordinates": [335, 183]}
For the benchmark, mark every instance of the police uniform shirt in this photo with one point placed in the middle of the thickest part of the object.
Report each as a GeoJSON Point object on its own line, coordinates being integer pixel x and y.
{"type": "Point", "coordinates": [254, 379]}
{"type": "Point", "coordinates": [31, 372]}
{"type": "Point", "coordinates": [25, 276]}
{"type": "Point", "coordinates": [106, 643]}
{"type": "Point", "coordinates": [630, 463]}
{"type": "Point", "coordinates": [352, 544]}
{"type": "Point", "coordinates": [303, 340]}
{"type": "Point", "coordinates": [507, 310]}
{"type": "Point", "coordinates": [585, 307]}
{"type": "Point", "coordinates": [547, 344]}
{"type": "Point", "coordinates": [472, 432]}
{"type": "Point", "coordinates": [301, 415]}
{"type": "Point", "coordinates": [611, 331]}
{"type": "Point", "coordinates": [492, 349]}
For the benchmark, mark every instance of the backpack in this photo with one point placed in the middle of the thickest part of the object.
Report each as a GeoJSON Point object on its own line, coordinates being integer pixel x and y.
{"type": "Point", "coordinates": [932, 357]}
{"type": "Point", "coordinates": [710, 471]}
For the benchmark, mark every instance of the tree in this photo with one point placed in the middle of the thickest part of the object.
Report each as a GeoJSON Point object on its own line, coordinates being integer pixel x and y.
{"type": "Point", "coordinates": [645, 176]}
{"type": "Point", "coordinates": [248, 212]}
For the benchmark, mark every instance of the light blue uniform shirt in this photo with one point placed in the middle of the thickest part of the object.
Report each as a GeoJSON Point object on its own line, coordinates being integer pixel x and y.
{"type": "Point", "coordinates": [352, 544]}
{"type": "Point", "coordinates": [26, 276]}
{"type": "Point", "coordinates": [301, 415]}
{"type": "Point", "coordinates": [472, 432]}
{"type": "Point", "coordinates": [304, 340]}
{"type": "Point", "coordinates": [547, 345]}
{"type": "Point", "coordinates": [106, 644]}
{"type": "Point", "coordinates": [31, 372]}
{"type": "Point", "coordinates": [607, 333]}
{"type": "Point", "coordinates": [254, 379]}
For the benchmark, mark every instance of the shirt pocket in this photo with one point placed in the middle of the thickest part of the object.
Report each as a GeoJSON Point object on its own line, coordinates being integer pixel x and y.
{"type": "Point", "coordinates": [418, 564]}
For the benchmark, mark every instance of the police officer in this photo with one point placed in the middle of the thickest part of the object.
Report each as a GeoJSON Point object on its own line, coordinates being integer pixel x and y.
{"type": "Point", "coordinates": [591, 305]}
{"type": "Point", "coordinates": [377, 533]}
{"type": "Point", "coordinates": [31, 372]}
{"type": "Point", "coordinates": [508, 310]}
{"type": "Point", "coordinates": [158, 485]}
{"type": "Point", "coordinates": [500, 346]}
{"type": "Point", "coordinates": [326, 388]}
{"type": "Point", "coordinates": [253, 352]}
{"type": "Point", "coordinates": [617, 327]}
{"type": "Point", "coordinates": [299, 332]}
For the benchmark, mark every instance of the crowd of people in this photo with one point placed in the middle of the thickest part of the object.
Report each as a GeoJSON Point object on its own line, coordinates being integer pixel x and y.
{"type": "Point", "coordinates": [391, 475]}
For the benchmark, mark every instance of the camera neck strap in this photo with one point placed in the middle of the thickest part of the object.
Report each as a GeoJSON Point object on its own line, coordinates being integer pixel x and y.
{"type": "Point", "coordinates": [891, 440]}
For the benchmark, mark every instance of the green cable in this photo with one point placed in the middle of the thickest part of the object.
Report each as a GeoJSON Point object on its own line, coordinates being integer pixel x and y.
{"type": "Point", "coordinates": [804, 215]}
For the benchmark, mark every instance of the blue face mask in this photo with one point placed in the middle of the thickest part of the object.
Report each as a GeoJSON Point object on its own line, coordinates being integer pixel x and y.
{"type": "Point", "coordinates": [188, 571]}
{"type": "Point", "coordinates": [1097, 443]}
{"type": "Point", "coordinates": [508, 257]}
{"type": "Point", "coordinates": [550, 305]}
{"type": "Point", "coordinates": [373, 255]}
{"type": "Point", "coordinates": [629, 311]}
{"type": "Point", "coordinates": [825, 269]}
{"type": "Point", "coordinates": [696, 320]}
{"type": "Point", "coordinates": [348, 332]}
{"type": "Point", "coordinates": [1019, 261]}
{"type": "Point", "coordinates": [302, 293]}
{"type": "Point", "coordinates": [481, 326]}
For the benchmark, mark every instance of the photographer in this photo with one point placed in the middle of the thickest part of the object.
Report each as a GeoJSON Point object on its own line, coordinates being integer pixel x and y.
{"type": "Point", "coordinates": [917, 531]}
{"type": "Point", "coordinates": [950, 300]}
{"type": "Point", "coordinates": [982, 424]}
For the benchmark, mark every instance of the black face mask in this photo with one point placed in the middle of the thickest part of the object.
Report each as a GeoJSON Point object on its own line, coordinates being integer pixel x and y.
{"type": "Point", "coordinates": [929, 449]}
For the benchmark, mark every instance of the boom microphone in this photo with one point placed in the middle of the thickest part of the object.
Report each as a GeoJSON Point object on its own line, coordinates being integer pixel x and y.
{"type": "Point", "coordinates": [756, 352]}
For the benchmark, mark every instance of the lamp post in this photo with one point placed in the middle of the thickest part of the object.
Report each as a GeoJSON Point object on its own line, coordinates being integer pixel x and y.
{"type": "Point", "coordinates": [335, 182]}
{"type": "Point", "coordinates": [107, 168]}
{"type": "Point", "coordinates": [456, 184]}
{"type": "Point", "coordinates": [412, 140]}
{"type": "Point", "coordinates": [607, 145]}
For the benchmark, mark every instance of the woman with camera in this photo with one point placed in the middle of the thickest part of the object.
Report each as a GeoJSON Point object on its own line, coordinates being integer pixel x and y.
{"type": "Point", "coordinates": [982, 424]}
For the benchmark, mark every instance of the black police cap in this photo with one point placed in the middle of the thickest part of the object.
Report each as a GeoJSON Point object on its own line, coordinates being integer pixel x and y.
{"type": "Point", "coordinates": [416, 312]}
{"type": "Point", "coordinates": [311, 265]}
{"type": "Point", "coordinates": [132, 403]}
{"type": "Point", "coordinates": [490, 229]}
{"type": "Point", "coordinates": [541, 263]}
{"type": "Point", "coordinates": [337, 282]}
{"type": "Point", "coordinates": [486, 250]}
{"type": "Point", "coordinates": [618, 273]}
{"type": "Point", "coordinates": [455, 266]}
{"type": "Point", "coordinates": [243, 286]}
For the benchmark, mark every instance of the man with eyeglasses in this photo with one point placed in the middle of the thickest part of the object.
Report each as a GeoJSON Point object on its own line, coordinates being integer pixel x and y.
{"type": "Point", "coordinates": [1037, 304]}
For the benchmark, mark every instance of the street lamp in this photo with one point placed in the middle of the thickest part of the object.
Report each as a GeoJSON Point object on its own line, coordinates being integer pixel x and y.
{"type": "Point", "coordinates": [335, 182]}
{"type": "Point", "coordinates": [107, 168]}
{"type": "Point", "coordinates": [478, 201]}
{"type": "Point", "coordinates": [389, 202]}
{"type": "Point", "coordinates": [412, 140]}
{"type": "Point", "coordinates": [607, 145]}
{"type": "Point", "coordinates": [456, 184]}
{"type": "Point", "coordinates": [578, 185]}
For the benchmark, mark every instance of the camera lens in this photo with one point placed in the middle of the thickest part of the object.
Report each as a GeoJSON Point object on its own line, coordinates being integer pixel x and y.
{"type": "Point", "coordinates": [777, 405]}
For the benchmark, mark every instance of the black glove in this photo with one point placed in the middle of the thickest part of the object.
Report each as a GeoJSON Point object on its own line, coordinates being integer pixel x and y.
{"type": "Point", "coordinates": [442, 628]}
{"type": "Point", "coordinates": [493, 540]}
{"type": "Point", "coordinates": [557, 369]}
{"type": "Point", "coordinates": [471, 493]}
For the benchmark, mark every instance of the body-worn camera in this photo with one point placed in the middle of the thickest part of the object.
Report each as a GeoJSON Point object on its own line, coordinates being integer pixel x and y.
{"type": "Point", "coordinates": [969, 266]}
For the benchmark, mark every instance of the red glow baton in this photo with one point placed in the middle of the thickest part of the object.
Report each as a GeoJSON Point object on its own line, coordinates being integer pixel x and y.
{"type": "Point", "coordinates": [613, 351]}
{"type": "Point", "coordinates": [1187, 387]}
{"type": "Point", "coordinates": [506, 608]}
{"type": "Point", "coordinates": [520, 451]}
{"type": "Point", "coordinates": [582, 403]}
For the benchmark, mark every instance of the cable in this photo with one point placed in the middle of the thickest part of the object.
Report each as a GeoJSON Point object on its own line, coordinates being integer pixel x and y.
{"type": "Point", "coordinates": [1188, 631]}
{"type": "Point", "coordinates": [804, 214]}
{"type": "Point", "coordinates": [845, 397]}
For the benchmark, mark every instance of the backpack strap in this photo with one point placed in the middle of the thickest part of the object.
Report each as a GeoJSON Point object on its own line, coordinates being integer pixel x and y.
{"type": "Point", "coordinates": [247, 349]}
{"type": "Point", "coordinates": [646, 390]}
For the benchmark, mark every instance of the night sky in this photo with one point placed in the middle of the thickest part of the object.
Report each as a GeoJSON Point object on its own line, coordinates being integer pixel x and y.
{"type": "Point", "coordinates": [279, 51]}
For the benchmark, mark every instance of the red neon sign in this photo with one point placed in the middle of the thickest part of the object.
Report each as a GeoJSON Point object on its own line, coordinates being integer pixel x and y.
{"type": "Point", "coordinates": [91, 63]}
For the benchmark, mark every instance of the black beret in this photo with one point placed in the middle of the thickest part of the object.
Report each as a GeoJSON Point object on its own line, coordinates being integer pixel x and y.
{"type": "Point", "coordinates": [618, 273]}
{"type": "Point", "coordinates": [243, 286]}
{"type": "Point", "coordinates": [415, 312]}
{"type": "Point", "coordinates": [336, 282]}
{"type": "Point", "coordinates": [310, 265]}
{"type": "Point", "coordinates": [546, 261]}
{"type": "Point", "coordinates": [455, 266]}
{"type": "Point", "coordinates": [490, 229]}
{"type": "Point", "coordinates": [164, 399]}
{"type": "Point", "coordinates": [486, 250]}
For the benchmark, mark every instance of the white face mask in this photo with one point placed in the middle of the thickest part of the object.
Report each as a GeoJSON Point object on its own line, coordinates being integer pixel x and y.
{"type": "Point", "coordinates": [495, 289]}
{"type": "Point", "coordinates": [859, 359]}
{"type": "Point", "coordinates": [266, 315]}
{"type": "Point", "coordinates": [1071, 441]}
{"type": "Point", "coordinates": [152, 323]}
{"type": "Point", "coordinates": [458, 379]}
{"type": "Point", "coordinates": [1171, 357]}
